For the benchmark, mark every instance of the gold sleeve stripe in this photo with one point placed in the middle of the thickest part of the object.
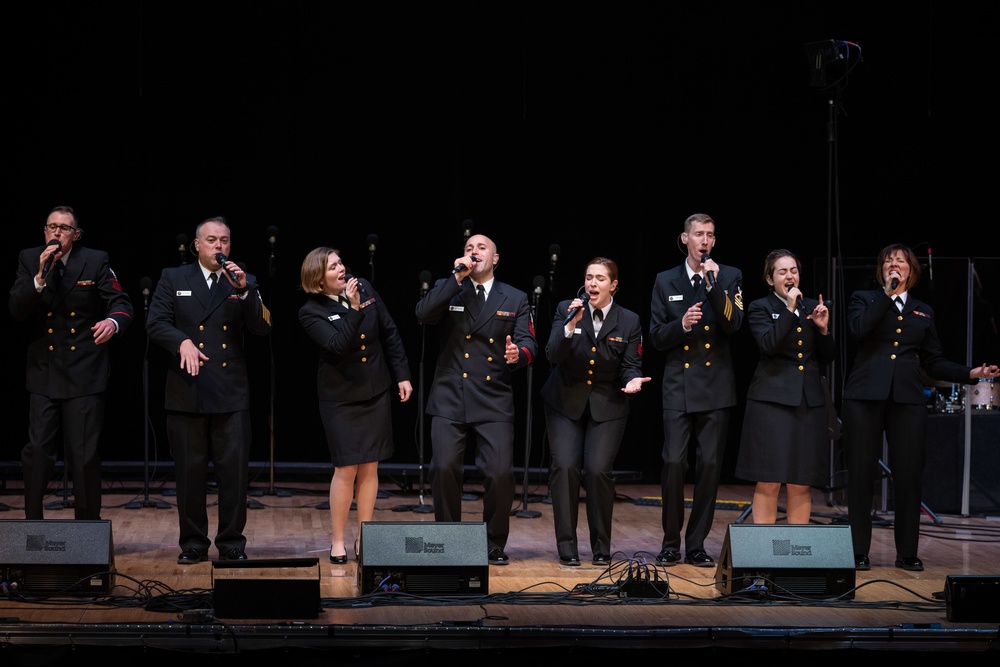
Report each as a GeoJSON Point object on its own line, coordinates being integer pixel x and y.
{"type": "Point", "coordinates": [265, 313]}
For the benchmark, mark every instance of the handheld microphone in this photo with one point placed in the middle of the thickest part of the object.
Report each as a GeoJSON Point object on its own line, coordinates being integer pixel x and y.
{"type": "Point", "coordinates": [709, 275]}
{"type": "Point", "coordinates": [461, 267]}
{"type": "Point", "coordinates": [361, 288]}
{"type": "Point", "coordinates": [221, 259]}
{"type": "Point", "coordinates": [52, 257]}
{"type": "Point", "coordinates": [539, 283]}
{"type": "Point", "coordinates": [425, 283]}
{"type": "Point", "coordinates": [585, 297]}
{"type": "Point", "coordinates": [894, 284]}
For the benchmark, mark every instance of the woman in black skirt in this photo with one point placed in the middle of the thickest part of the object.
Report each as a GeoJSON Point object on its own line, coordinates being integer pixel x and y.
{"type": "Point", "coordinates": [361, 355]}
{"type": "Point", "coordinates": [785, 437]}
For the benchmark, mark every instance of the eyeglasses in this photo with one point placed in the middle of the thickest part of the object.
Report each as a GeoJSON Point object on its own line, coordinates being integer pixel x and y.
{"type": "Point", "coordinates": [59, 228]}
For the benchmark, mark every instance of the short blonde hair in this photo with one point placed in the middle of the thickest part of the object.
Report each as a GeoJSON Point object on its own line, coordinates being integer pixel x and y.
{"type": "Point", "coordinates": [314, 269]}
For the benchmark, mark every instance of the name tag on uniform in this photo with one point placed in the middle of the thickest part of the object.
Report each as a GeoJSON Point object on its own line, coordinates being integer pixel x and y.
{"type": "Point", "coordinates": [332, 318]}
{"type": "Point", "coordinates": [675, 297]}
{"type": "Point", "coordinates": [183, 292]}
{"type": "Point", "coordinates": [577, 331]}
{"type": "Point", "coordinates": [775, 316]}
{"type": "Point", "coordinates": [457, 309]}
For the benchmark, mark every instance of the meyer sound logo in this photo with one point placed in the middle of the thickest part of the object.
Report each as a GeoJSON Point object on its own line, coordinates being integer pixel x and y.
{"type": "Point", "coordinates": [39, 543]}
{"type": "Point", "coordinates": [416, 545]}
{"type": "Point", "coordinates": [786, 548]}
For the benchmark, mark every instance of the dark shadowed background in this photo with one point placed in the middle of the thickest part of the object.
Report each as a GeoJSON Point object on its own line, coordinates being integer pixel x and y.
{"type": "Point", "coordinates": [594, 130]}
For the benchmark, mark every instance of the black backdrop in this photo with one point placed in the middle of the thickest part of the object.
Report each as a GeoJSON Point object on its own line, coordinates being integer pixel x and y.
{"type": "Point", "coordinates": [595, 129]}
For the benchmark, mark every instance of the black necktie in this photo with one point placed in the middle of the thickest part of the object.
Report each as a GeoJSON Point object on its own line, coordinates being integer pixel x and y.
{"type": "Point", "coordinates": [696, 282]}
{"type": "Point", "coordinates": [213, 278]}
{"type": "Point", "coordinates": [481, 293]}
{"type": "Point", "coordinates": [899, 303]}
{"type": "Point", "coordinates": [598, 314]}
{"type": "Point", "coordinates": [344, 302]}
{"type": "Point", "coordinates": [61, 268]}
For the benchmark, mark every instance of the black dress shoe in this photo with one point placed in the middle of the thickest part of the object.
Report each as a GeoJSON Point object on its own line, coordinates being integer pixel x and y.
{"type": "Point", "coordinates": [338, 560]}
{"type": "Point", "coordinates": [861, 562]}
{"type": "Point", "coordinates": [668, 557]}
{"type": "Point", "coordinates": [571, 561]}
{"type": "Point", "coordinates": [233, 554]}
{"type": "Point", "coordinates": [498, 557]}
{"type": "Point", "coordinates": [601, 559]}
{"type": "Point", "coordinates": [191, 556]}
{"type": "Point", "coordinates": [699, 559]}
{"type": "Point", "coordinates": [912, 563]}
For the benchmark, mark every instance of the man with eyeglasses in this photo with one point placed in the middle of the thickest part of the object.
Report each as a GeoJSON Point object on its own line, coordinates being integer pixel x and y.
{"type": "Point", "coordinates": [75, 304]}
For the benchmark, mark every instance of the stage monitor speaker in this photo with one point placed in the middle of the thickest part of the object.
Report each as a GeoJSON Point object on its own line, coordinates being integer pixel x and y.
{"type": "Point", "coordinates": [972, 598]}
{"type": "Point", "coordinates": [56, 556]}
{"type": "Point", "coordinates": [424, 558]}
{"type": "Point", "coordinates": [808, 560]}
{"type": "Point", "coordinates": [264, 588]}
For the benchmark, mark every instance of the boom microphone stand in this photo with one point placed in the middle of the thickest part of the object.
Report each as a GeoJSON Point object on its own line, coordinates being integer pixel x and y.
{"type": "Point", "coordinates": [146, 284]}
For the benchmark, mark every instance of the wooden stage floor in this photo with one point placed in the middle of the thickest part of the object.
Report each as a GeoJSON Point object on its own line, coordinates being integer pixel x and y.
{"type": "Point", "coordinates": [533, 607]}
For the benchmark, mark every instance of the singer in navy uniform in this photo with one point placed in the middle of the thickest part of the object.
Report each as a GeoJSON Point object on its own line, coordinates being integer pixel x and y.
{"type": "Point", "coordinates": [596, 355]}
{"type": "Point", "coordinates": [360, 355]}
{"type": "Point", "coordinates": [198, 314]}
{"type": "Point", "coordinates": [696, 308]}
{"type": "Point", "coordinates": [786, 437]}
{"type": "Point", "coordinates": [481, 344]}
{"type": "Point", "coordinates": [76, 306]}
{"type": "Point", "coordinates": [884, 394]}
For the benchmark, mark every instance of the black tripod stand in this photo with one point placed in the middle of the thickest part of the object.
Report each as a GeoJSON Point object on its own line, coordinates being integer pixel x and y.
{"type": "Point", "coordinates": [146, 284]}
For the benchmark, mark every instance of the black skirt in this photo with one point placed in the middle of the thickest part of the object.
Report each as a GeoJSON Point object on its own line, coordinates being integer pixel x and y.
{"type": "Point", "coordinates": [784, 444]}
{"type": "Point", "coordinates": [358, 432]}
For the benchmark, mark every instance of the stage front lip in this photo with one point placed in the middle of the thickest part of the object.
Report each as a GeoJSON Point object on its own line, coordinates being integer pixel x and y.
{"type": "Point", "coordinates": [291, 635]}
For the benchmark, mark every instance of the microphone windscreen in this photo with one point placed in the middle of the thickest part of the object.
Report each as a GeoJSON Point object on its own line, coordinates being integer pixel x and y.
{"type": "Point", "coordinates": [425, 277]}
{"type": "Point", "coordinates": [145, 283]}
{"type": "Point", "coordinates": [539, 281]}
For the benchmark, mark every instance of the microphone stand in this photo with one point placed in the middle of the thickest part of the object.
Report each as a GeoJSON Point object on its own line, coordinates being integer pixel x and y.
{"type": "Point", "coordinates": [271, 491]}
{"type": "Point", "coordinates": [146, 502]}
{"type": "Point", "coordinates": [524, 512]}
{"type": "Point", "coordinates": [420, 508]}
